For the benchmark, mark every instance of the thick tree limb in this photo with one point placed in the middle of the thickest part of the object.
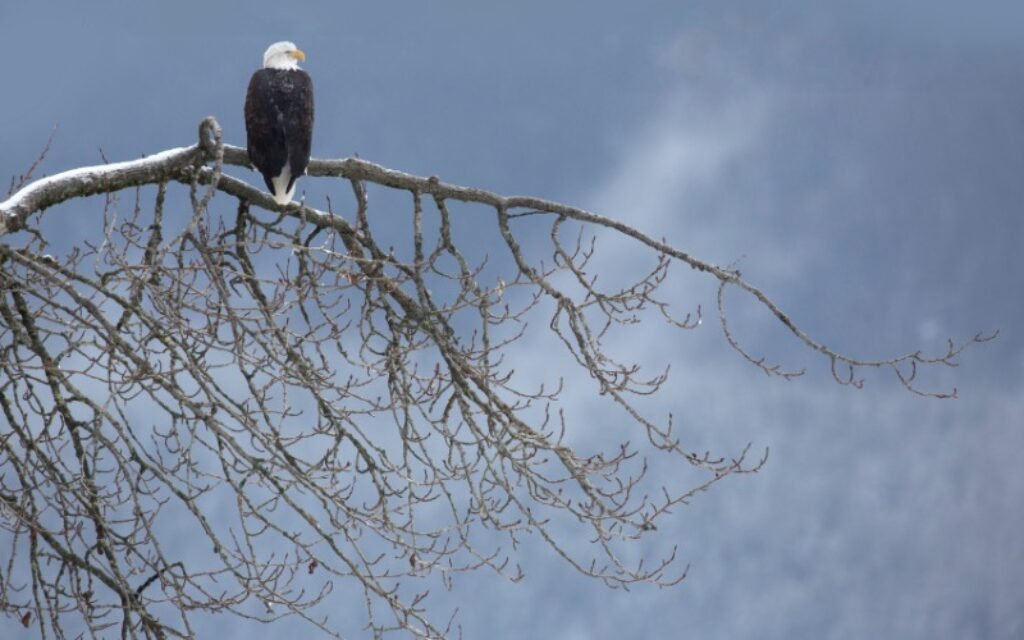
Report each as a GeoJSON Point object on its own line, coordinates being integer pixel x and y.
{"type": "Point", "coordinates": [87, 181]}
{"type": "Point", "coordinates": [185, 165]}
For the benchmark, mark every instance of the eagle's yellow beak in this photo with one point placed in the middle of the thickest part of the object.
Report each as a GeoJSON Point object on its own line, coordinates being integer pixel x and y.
{"type": "Point", "coordinates": [298, 55]}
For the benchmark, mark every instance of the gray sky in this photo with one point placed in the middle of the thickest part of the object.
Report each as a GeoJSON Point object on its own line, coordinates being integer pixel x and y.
{"type": "Point", "coordinates": [862, 163]}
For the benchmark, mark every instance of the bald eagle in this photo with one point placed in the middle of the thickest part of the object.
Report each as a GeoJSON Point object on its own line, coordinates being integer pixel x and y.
{"type": "Point", "coordinates": [279, 119]}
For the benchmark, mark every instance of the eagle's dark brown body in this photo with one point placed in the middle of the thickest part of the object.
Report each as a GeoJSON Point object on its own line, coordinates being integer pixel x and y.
{"type": "Point", "coordinates": [279, 126]}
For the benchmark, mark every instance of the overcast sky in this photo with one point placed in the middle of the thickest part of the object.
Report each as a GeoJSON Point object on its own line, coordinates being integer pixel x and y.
{"type": "Point", "coordinates": [863, 162]}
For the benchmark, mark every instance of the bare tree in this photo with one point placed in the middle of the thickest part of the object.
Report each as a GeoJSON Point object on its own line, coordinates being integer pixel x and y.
{"type": "Point", "coordinates": [247, 407]}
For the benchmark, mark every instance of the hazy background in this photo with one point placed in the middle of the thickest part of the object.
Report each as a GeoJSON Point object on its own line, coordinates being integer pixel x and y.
{"type": "Point", "coordinates": [863, 164]}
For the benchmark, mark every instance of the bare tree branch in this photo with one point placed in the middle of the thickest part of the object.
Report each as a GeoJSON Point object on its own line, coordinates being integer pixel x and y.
{"type": "Point", "coordinates": [326, 411]}
{"type": "Point", "coordinates": [181, 165]}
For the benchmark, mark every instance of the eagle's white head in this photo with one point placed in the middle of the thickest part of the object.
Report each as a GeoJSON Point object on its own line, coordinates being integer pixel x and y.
{"type": "Point", "coordinates": [283, 55]}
